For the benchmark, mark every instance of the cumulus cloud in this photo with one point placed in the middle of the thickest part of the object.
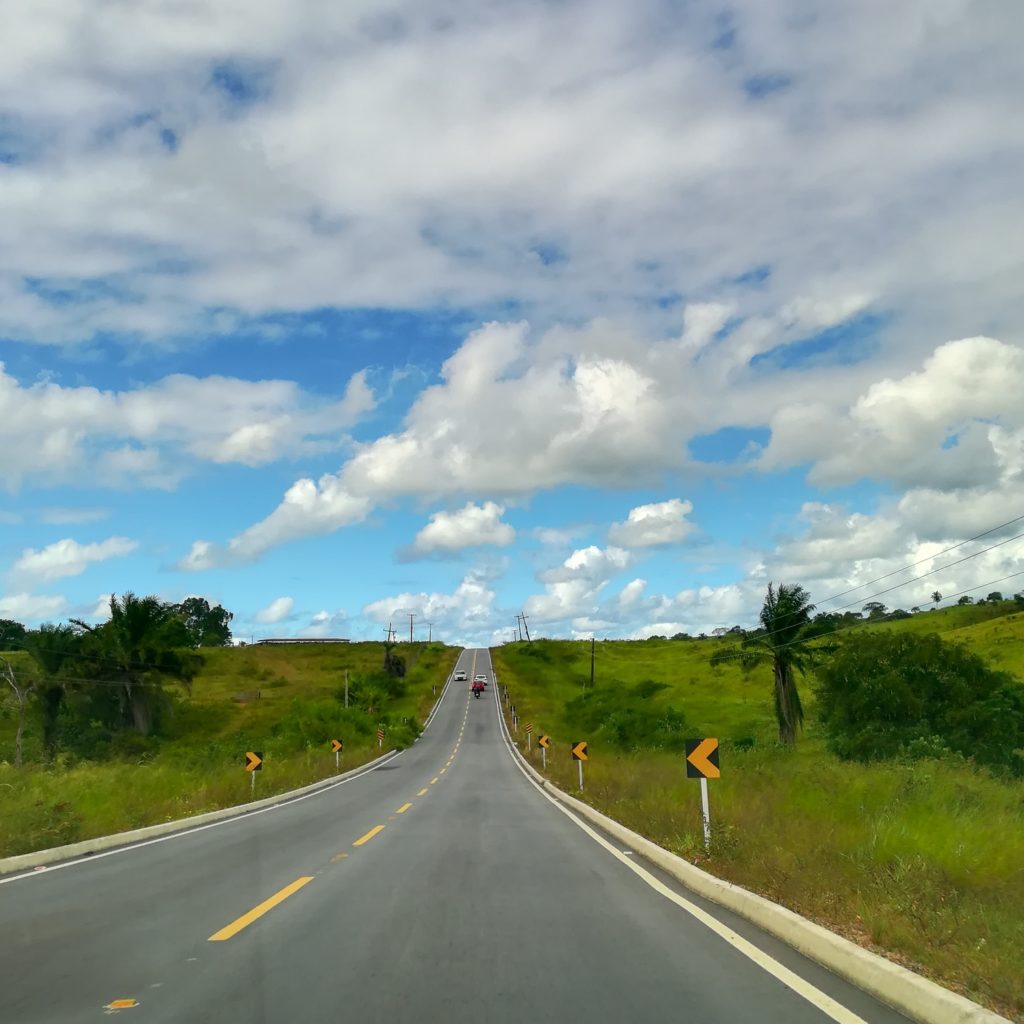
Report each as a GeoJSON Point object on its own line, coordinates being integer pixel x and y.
{"type": "Point", "coordinates": [739, 159]}
{"type": "Point", "coordinates": [470, 526]}
{"type": "Point", "coordinates": [573, 588]}
{"type": "Point", "coordinates": [457, 617]}
{"type": "Point", "coordinates": [31, 608]}
{"type": "Point", "coordinates": [957, 422]}
{"type": "Point", "coordinates": [277, 611]}
{"type": "Point", "coordinates": [67, 558]}
{"type": "Point", "coordinates": [662, 522]}
{"type": "Point", "coordinates": [151, 435]}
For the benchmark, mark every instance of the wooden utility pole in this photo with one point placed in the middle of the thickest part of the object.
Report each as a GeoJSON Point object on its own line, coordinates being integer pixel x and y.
{"type": "Point", "coordinates": [430, 632]}
{"type": "Point", "coordinates": [527, 628]}
{"type": "Point", "coordinates": [412, 615]}
{"type": "Point", "coordinates": [592, 640]}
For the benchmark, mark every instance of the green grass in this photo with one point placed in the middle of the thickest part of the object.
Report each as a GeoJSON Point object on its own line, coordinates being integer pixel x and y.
{"type": "Point", "coordinates": [195, 765]}
{"type": "Point", "coordinates": [923, 861]}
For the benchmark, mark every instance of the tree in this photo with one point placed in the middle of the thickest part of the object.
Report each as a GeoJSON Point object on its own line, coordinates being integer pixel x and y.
{"type": "Point", "coordinates": [52, 648]}
{"type": "Point", "coordinates": [936, 597]}
{"type": "Point", "coordinates": [786, 619]}
{"type": "Point", "coordinates": [12, 635]}
{"type": "Point", "coordinates": [914, 610]}
{"type": "Point", "coordinates": [875, 609]}
{"type": "Point", "coordinates": [995, 597]}
{"type": "Point", "coordinates": [884, 694]}
{"type": "Point", "coordinates": [966, 599]}
{"type": "Point", "coordinates": [136, 650]}
{"type": "Point", "coordinates": [207, 627]}
{"type": "Point", "coordinates": [21, 692]}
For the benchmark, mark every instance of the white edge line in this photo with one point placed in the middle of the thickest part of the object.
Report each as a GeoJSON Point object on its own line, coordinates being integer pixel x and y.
{"type": "Point", "coordinates": [90, 858]}
{"type": "Point", "coordinates": [829, 1006]}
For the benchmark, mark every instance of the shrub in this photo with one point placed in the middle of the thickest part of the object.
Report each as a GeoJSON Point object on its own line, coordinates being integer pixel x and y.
{"type": "Point", "coordinates": [890, 694]}
{"type": "Point", "coordinates": [628, 717]}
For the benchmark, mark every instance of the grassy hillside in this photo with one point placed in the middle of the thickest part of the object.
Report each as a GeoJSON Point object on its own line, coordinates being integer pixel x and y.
{"type": "Point", "coordinates": [922, 860]}
{"type": "Point", "coordinates": [286, 701]}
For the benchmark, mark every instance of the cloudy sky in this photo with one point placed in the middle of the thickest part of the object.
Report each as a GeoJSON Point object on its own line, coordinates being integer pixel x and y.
{"type": "Point", "coordinates": [606, 312]}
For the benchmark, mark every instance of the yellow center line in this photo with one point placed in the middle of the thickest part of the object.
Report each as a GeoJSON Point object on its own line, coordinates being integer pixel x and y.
{"type": "Point", "coordinates": [375, 831]}
{"type": "Point", "coordinates": [443, 770]}
{"type": "Point", "coordinates": [422, 792]}
{"type": "Point", "coordinates": [257, 912]}
{"type": "Point", "coordinates": [403, 808]}
{"type": "Point", "coordinates": [433, 780]}
{"type": "Point", "coordinates": [337, 857]}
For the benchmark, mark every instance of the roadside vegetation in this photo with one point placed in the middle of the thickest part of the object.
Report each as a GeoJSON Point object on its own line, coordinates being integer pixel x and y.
{"type": "Point", "coordinates": [894, 815]}
{"type": "Point", "coordinates": [137, 721]}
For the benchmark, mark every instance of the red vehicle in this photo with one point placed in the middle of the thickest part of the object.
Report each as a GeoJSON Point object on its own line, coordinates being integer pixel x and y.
{"type": "Point", "coordinates": [477, 688]}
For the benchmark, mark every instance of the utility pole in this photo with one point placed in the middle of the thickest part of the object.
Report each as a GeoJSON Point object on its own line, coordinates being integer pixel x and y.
{"type": "Point", "coordinates": [412, 615]}
{"type": "Point", "coordinates": [346, 687]}
{"type": "Point", "coordinates": [390, 633]}
{"type": "Point", "coordinates": [592, 639]}
{"type": "Point", "coordinates": [430, 632]}
{"type": "Point", "coordinates": [527, 628]}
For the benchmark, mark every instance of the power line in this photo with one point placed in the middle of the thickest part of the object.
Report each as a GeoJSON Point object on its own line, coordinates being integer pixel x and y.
{"type": "Point", "coordinates": [938, 554]}
{"type": "Point", "coordinates": [842, 629]}
{"type": "Point", "coordinates": [916, 579]}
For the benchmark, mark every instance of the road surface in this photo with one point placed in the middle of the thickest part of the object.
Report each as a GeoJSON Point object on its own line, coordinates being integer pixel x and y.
{"type": "Point", "coordinates": [440, 886]}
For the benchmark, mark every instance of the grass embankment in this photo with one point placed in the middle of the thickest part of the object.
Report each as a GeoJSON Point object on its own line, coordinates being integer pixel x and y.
{"type": "Point", "coordinates": [195, 764]}
{"type": "Point", "coordinates": [923, 861]}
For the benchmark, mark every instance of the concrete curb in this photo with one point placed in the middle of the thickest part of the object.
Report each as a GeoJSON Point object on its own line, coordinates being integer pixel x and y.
{"type": "Point", "coordinates": [55, 854]}
{"type": "Point", "coordinates": [917, 997]}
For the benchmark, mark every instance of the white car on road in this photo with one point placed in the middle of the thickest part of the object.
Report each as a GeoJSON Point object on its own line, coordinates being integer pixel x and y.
{"type": "Point", "coordinates": [461, 676]}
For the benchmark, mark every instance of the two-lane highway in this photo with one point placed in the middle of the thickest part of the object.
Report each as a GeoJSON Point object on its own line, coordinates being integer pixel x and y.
{"type": "Point", "coordinates": [441, 885]}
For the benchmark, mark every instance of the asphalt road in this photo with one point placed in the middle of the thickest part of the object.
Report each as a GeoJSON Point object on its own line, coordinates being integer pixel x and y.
{"type": "Point", "coordinates": [441, 886]}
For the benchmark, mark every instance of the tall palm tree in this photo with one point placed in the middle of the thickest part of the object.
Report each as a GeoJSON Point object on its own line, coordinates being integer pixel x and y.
{"type": "Point", "coordinates": [936, 596]}
{"type": "Point", "coordinates": [139, 647]}
{"type": "Point", "coordinates": [786, 623]}
{"type": "Point", "coordinates": [52, 649]}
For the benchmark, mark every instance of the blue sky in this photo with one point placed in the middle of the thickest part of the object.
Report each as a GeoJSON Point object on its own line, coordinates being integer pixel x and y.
{"type": "Point", "coordinates": [607, 315]}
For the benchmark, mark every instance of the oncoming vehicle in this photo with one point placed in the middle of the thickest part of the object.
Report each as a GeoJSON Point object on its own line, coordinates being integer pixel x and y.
{"type": "Point", "coordinates": [461, 676]}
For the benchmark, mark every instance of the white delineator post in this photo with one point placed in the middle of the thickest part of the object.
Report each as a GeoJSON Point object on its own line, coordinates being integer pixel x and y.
{"type": "Point", "coordinates": [580, 763]}
{"type": "Point", "coordinates": [705, 812]}
{"type": "Point", "coordinates": [544, 758]}
{"type": "Point", "coordinates": [252, 787]}
{"type": "Point", "coordinates": [337, 761]}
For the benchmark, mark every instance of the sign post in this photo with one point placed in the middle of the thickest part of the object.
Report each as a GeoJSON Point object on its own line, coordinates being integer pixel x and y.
{"type": "Point", "coordinates": [380, 736]}
{"type": "Point", "coordinates": [529, 734]}
{"type": "Point", "coordinates": [579, 753]}
{"type": "Point", "coordinates": [336, 746]}
{"type": "Point", "coordinates": [253, 764]}
{"type": "Point", "coordinates": [542, 742]}
{"type": "Point", "coordinates": [702, 763]}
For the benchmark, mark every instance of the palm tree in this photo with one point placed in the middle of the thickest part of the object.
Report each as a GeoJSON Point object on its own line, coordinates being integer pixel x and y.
{"type": "Point", "coordinates": [785, 621]}
{"type": "Point", "coordinates": [936, 596]}
{"type": "Point", "coordinates": [138, 648]}
{"type": "Point", "coordinates": [52, 647]}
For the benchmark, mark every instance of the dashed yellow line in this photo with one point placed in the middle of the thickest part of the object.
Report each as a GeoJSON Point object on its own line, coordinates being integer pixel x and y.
{"type": "Point", "coordinates": [403, 808]}
{"type": "Point", "coordinates": [375, 831]}
{"type": "Point", "coordinates": [258, 911]}
{"type": "Point", "coordinates": [443, 770]}
{"type": "Point", "coordinates": [337, 857]}
{"type": "Point", "coordinates": [422, 792]}
{"type": "Point", "coordinates": [433, 780]}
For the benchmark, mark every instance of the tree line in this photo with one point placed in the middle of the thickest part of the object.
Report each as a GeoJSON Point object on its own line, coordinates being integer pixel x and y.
{"type": "Point", "coordinates": [109, 679]}
{"type": "Point", "coordinates": [883, 693]}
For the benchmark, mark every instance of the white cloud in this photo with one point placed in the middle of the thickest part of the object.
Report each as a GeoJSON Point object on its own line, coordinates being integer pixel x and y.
{"type": "Point", "coordinates": [68, 558]}
{"type": "Point", "coordinates": [303, 199]}
{"type": "Point", "coordinates": [470, 526]}
{"type": "Point", "coordinates": [152, 435]}
{"type": "Point", "coordinates": [31, 608]}
{"type": "Point", "coordinates": [325, 623]}
{"type": "Point", "coordinates": [958, 422]}
{"type": "Point", "coordinates": [462, 616]}
{"type": "Point", "coordinates": [308, 509]}
{"type": "Point", "coordinates": [70, 516]}
{"type": "Point", "coordinates": [277, 611]}
{"type": "Point", "coordinates": [573, 588]}
{"type": "Point", "coordinates": [101, 610]}
{"type": "Point", "coordinates": [663, 522]}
